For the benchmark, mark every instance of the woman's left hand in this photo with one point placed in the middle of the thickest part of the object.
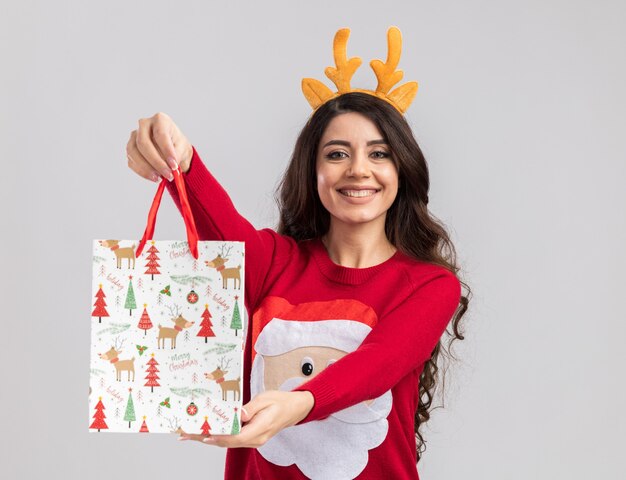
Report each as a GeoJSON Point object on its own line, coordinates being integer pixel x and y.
{"type": "Point", "coordinates": [265, 415]}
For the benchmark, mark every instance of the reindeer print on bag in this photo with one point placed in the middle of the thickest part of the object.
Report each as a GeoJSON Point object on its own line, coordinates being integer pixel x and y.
{"type": "Point", "coordinates": [218, 264]}
{"type": "Point", "coordinates": [180, 323]}
{"type": "Point", "coordinates": [120, 253]}
{"type": "Point", "coordinates": [120, 365]}
{"type": "Point", "coordinates": [167, 349]}
{"type": "Point", "coordinates": [227, 385]}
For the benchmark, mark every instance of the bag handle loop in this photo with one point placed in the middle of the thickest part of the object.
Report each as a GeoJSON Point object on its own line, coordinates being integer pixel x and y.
{"type": "Point", "coordinates": [192, 233]}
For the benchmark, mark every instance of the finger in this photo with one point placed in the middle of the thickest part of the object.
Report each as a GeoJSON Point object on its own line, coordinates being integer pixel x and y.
{"type": "Point", "coordinates": [192, 436]}
{"type": "Point", "coordinates": [227, 441]}
{"type": "Point", "coordinates": [148, 150]}
{"type": "Point", "coordinates": [252, 434]}
{"type": "Point", "coordinates": [258, 403]}
{"type": "Point", "coordinates": [163, 139]}
{"type": "Point", "coordinates": [137, 162]}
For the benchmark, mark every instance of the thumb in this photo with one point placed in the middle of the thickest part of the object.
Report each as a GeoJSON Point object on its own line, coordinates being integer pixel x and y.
{"type": "Point", "coordinates": [250, 409]}
{"type": "Point", "coordinates": [247, 412]}
{"type": "Point", "coordinates": [245, 417]}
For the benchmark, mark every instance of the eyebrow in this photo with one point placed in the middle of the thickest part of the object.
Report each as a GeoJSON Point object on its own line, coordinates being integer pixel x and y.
{"type": "Point", "coordinates": [347, 144]}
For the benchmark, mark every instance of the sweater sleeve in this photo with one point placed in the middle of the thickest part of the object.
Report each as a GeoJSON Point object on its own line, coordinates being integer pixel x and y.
{"type": "Point", "coordinates": [401, 341]}
{"type": "Point", "coordinates": [217, 219]}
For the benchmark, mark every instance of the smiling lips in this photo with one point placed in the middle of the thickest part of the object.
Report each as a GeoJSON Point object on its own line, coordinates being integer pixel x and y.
{"type": "Point", "coordinates": [358, 191]}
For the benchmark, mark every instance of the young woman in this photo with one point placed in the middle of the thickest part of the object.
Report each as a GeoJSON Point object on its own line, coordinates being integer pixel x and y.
{"type": "Point", "coordinates": [348, 298]}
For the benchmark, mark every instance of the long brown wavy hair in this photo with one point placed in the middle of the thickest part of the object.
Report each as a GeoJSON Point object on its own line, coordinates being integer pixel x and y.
{"type": "Point", "coordinates": [409, 226]}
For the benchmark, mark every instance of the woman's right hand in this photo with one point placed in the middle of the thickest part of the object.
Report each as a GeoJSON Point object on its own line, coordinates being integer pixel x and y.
{"type": "Point", "coordinates": [157, 148]}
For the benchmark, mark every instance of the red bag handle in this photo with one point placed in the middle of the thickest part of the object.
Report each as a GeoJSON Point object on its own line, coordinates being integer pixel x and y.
{"type": "Point", "coordinates": [192, 233]}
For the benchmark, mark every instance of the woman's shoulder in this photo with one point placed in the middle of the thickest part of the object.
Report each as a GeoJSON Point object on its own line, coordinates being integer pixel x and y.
{"type": "Point", "coordinates": [285, 246]}
{"type": "Point", "coordinates": [420, 272]}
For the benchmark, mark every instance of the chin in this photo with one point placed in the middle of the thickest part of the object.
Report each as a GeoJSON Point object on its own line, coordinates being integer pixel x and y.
{"type": "Point", "coordinates": [353, 214]}
{"type": "Point", "coordinates": [358, 219]}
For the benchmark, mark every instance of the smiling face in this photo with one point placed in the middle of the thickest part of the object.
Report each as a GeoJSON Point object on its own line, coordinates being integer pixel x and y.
{"type": "Point", "coordinates": [357, 179]}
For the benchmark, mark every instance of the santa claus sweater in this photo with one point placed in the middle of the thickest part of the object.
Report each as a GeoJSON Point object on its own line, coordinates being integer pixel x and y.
{"type": "Point", "coordinates": [356, 338]}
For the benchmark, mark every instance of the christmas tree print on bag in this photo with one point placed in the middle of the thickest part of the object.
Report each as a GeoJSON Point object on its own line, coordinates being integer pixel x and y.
{"type": "Point", "coordinates": [160, 362]}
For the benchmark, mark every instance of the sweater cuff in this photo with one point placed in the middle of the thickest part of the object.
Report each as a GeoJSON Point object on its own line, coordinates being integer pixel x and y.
{"type": "Point", "coordinates": [323, 395]}
{"type": "Point", "coordinates": [190, 176]}
{"type": "Point", "coordinates": [196, 172]}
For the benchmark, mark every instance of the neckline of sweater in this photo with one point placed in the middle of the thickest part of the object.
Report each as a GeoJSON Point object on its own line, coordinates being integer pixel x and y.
{"type": "Point", "coordinates": [347, 275]}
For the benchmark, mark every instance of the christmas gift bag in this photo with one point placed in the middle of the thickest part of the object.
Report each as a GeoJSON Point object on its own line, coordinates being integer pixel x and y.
{"type": "Point", "coordinates": [167, 332]}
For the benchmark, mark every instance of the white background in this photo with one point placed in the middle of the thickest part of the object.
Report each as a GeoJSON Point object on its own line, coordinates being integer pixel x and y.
{"type": "Point", "coordinates": [520, 113]}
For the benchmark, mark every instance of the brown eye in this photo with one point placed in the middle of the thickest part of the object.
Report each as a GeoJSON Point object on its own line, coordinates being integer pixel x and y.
{"type": "Point", "coordinates": [332, 155]}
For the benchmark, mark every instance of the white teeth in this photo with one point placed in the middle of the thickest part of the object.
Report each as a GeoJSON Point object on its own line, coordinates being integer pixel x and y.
{"type": "Point", "coordinates": [357, 193]}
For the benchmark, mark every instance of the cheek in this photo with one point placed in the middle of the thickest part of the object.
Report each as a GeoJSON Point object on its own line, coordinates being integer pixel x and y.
{"type": "Point", "coordinates": [321, 174]}
{"type": "Point", "coordinates": [391, 179]}
{"type": "Point", "coordinates": [393, 184]}
{"type": "Point", "coordinates": [324, 182]}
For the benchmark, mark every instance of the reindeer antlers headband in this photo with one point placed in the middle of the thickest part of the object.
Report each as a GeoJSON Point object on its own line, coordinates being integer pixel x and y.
{"type": "Point", "coordinates": [317, 93]}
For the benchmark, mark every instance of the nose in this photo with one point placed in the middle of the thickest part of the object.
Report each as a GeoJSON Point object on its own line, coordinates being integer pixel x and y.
{"type": "Point", "coordinates": [359, 166]}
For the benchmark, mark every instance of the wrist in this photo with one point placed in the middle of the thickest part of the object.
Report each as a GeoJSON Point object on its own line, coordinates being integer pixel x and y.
{"type": "Point", "coordinates": [305, 402]}
{"type": "Point", "coordinates": [185, 163]}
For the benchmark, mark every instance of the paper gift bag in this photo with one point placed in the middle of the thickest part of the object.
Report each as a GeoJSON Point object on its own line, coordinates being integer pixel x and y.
{"type": "Point", "coordinates": [167, 332]}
